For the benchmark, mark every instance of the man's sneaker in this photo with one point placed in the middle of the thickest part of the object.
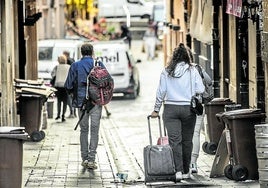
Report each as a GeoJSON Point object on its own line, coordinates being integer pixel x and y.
{"type": "Point", "coordinates": [193, 168]}
{"type": "Point", "coordinates": [178, 176]}
{"type": "Point", "coordinates": [85, 163]}
{"type": "Point", "coordinates": [92, 165]}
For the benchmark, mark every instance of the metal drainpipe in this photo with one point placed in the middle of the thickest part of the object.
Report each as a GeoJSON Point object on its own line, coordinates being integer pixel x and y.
{"type": "Point", "coordinates": [260, 69]}
{"type": "Point", "coordinates": [21, 41]}
{"type": "Point", "coordinates": [215, 59]}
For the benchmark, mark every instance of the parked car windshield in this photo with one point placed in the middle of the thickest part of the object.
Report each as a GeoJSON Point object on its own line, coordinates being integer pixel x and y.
{"type": "Point", "coordinates": [59, 50]}
{"type": "Point", "coordinates": [45, 53]}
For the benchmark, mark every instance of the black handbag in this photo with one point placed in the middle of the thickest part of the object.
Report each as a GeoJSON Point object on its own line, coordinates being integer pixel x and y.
{"type": "Point", "coordinates": [52, 81]}
{"type": "Point", "coordinates": [196, 106]}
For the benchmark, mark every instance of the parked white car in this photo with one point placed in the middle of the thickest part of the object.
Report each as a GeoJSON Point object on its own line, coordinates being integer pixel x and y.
{"type": "Point", "coordinates": [120, 8]}
{"type": "Point", "coordinates": [50, 49]}
{"type": "Point", "coordinates": [121, 64]}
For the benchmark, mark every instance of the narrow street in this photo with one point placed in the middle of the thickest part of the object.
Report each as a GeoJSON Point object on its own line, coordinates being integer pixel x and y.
{"type": "Point", "coordinates": [227, 38]}
{"type": "Point", "coordinates": [55, 161]}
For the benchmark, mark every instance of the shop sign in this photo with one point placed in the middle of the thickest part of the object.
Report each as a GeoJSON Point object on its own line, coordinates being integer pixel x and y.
{"type": "Point", "coordinates": [234, 7]}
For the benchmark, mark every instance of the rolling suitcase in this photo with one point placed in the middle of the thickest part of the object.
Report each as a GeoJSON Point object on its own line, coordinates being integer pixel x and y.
{"type": "Point", "coordinates": [158, 160]}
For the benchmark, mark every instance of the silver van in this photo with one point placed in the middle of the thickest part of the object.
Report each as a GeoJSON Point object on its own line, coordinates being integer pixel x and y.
{"type": "Point", "coordinates": [50, 49]}
{"type": "Point", "coordinates": [121, 64]}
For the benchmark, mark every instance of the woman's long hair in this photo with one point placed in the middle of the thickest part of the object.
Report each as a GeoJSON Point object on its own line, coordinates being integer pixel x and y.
{"type": "Point", "coordinates": [180, 54]}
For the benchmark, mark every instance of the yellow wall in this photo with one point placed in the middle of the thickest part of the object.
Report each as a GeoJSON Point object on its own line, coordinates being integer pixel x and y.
{"type": "Point", "coordinates": [8, 62]}
{"type": "Point", "coordinates": [252, 66]}
{"type": "Point", "coordinates": [232, 59]}
{"type": "Point", "coordinates": [173, 38]}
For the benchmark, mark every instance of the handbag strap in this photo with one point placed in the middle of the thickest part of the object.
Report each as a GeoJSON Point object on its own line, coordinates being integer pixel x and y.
{"type": "Point", "coordinates": [196, 94]}
{"type": "Point", "coordinates": [191, 82]}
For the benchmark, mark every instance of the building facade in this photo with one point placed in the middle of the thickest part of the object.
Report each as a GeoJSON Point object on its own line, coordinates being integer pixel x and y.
{"type": "Point", "coordinates": [18, 36]}
{"type": "Point", "coordinates": [228, 38]}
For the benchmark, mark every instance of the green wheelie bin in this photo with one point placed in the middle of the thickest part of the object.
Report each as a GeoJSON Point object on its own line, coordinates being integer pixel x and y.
{"type": "Point", "coordinates": [241, 143]}
{"type": "Point", "coordinates": [213, 127]}
{"type": "Point", "coordinates": [11, 156]}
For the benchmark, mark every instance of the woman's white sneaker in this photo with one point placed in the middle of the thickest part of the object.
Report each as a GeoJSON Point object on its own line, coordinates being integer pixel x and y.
{"type": "Point", "coordinates": [178, 176]}
{"type": "Point", "coordinates": [193, 168]}
{"type": "Point", "coordinates": [186, 176]}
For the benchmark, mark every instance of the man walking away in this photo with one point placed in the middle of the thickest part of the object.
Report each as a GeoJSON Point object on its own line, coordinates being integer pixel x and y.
{"type": "Point", "coordinates": [76, 84]}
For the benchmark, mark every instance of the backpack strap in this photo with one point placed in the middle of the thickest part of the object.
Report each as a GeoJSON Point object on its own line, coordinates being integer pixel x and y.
{"type": "Point", "coordinates": [94, 64]}
{"type": "Point", "coordinates": [199, 70]}
{"type": "Point", "coordinates": [97, 62]}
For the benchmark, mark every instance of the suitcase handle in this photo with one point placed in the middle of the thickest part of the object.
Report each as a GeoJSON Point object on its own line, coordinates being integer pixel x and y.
{"type": "Point", "coordinates": [149, 127]}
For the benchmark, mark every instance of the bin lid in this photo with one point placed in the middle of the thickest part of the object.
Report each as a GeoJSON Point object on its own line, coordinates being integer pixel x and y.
{"type": "Point", "coordinates": [34, 87]}
{"type": "Point", "coordinates": [30, 95]}
{"type": "Point", "coordinates": [220, 101]}
{"type": "Point", "coordinates": [13, 132]}
{"type": "Point", "coordinates": [236, 106]}
{"type": "Point", "coordinates": [243, 113]}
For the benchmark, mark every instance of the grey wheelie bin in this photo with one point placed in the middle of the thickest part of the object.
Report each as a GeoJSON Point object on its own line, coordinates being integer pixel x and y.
{"type": "Point", "coordinates": [241, 145]}
{"type": "Point", "coordinates": [50, 106]}
{"type": "Point", "coordinates": [214, 128]}
{"type": "Point", "coordinates": [11, 156]}
{"type": "Point", "coordinates": [31, 96]}
{"type": "Point", "coordinates": [30, 110]}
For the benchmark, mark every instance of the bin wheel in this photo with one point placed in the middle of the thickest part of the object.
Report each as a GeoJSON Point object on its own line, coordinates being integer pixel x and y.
{"type": "Point", "coordinates": [212, 148]}
{"type": "Point", "coordinates": [36, 136]}
{"type": "Point", "coordinates": [43, 134]}
{"type": "Point", "coordinates": [204, 146]}
{"type": "Point", "coordinates": [228, 171]}
{"type": "Point", "coordinates": [240, 173]}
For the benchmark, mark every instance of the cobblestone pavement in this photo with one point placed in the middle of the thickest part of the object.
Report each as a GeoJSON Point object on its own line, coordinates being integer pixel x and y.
{"type": "Point", "coordinates": [55, 161]}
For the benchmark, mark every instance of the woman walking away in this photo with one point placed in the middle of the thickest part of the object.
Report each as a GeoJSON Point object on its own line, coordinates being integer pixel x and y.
{"type": "Point", "coordinates": [207, 96]}
{"type": "Point", "coordinates": [61, 72]}
{"type": "Point", "coordinates": [70, 98]}
{"type": "Point", "coordinates": [179, 81]}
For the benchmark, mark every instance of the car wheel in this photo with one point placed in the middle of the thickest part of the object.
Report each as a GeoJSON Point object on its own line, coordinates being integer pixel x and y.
{"type": "Point", "coordinates": [133, 95]}
{"type": "Point", "coordinates": [138, 89]}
